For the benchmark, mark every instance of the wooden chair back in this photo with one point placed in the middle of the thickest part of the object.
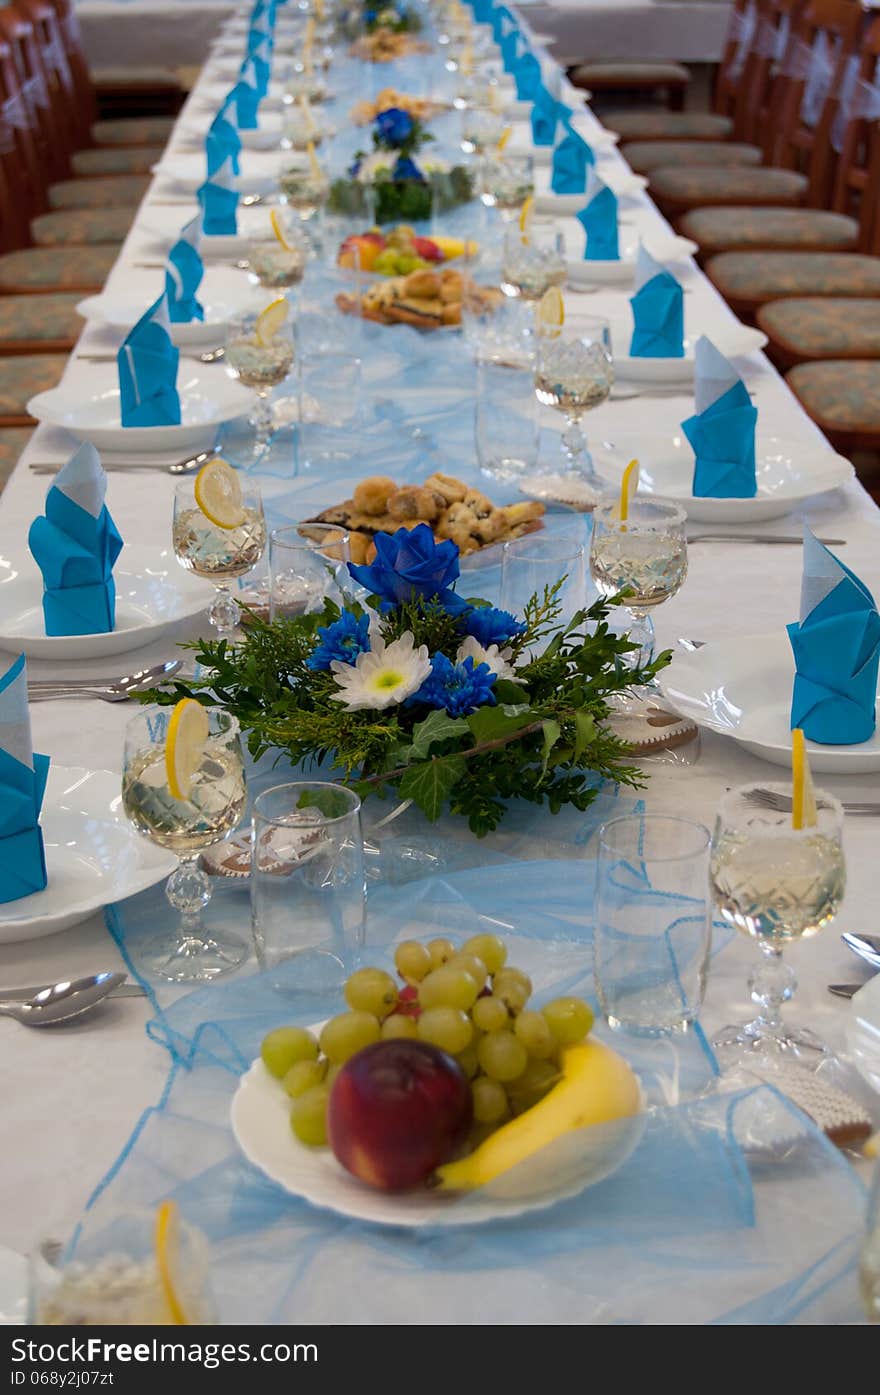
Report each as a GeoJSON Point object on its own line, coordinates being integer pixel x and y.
{"type": "Point", "coordinates": [68, 122]}
{"type": "Point", "coordinates": [25, 173]}
{"type": "Point", "coordinates": [68, 24]}
{"type": "Point", "coordinates": [855, 136]}
{"type": "Point", "coordinates": [737, 44]}
{"type": "Point", "coordinates": [18, 32]}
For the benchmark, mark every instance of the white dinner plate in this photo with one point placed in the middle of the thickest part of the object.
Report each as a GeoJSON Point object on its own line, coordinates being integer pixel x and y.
{"type": "Point", "coordinates": [161, 227]}
{"type": "Point", "coordinates": [731, 338]}
{"type": "Point", "coordinates": [153, 592]}
{"type": "Point", "coordinates": [267, 136]}
{"type": "Point", "coordinates": [260, 169]}
{"type": "Point", "coordinates": [224, 294]}
{"type": "Point", "coordinates": [93, 856]}
{"type": "Point", "coordinates": [666, 248]}
{"type": "Point", "coordinates": [621, 181]}
{"type": "Point", "coordinates": [208, 398]}
{"type": "Point", "coordinates": [742, 688]}
{"type": "Point", "coordinates": [788, 471]}
{"type": "Point", "coordinates": [261, 1124]}
{"type": "Point", "coordinates": [601, 142]}
{"type": "Point", "coordinates": [863, 1031]}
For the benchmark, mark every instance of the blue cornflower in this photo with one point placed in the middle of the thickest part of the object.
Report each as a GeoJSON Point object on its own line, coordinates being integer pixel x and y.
{"type": "Point", "coordinates": [460, 688]}
{"type": "Point", "coordinates": [405, 168]}
{"type": "Point", "coordinates": [343, 641]}
{"type": "Point", "coordinates": [491, 626]}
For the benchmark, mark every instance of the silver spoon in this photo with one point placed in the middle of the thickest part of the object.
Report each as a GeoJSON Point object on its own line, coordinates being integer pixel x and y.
{"type": "Point", "coordinates": [867, 947]}
{"type": "Point", "coordinates": [63, 1000]}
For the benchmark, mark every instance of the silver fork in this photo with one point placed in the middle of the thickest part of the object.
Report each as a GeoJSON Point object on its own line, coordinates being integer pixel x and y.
{"type": "Point", "coordinates": [107, 689]}
{"type": "Point", "coordinates": [781, 803]}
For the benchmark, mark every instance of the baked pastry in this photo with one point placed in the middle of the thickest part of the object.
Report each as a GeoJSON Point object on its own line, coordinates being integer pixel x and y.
{"type": "Point", "coordinates": [371, 495]}
{"type": "Point", "coordinates": [425, 299]}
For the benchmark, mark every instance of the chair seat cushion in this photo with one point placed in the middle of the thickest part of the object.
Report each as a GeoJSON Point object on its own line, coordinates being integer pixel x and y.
{"type": "Point", "coordinates": [839, 394]}
{"type": "Point", "coordinates": [123, 191]}
{"type": "Point", "coordinates": [128, 77]}
{"type": "Point", "coordinates": [13, 440]}
{"type": "Point", "coordinates": [136, 159]}
{"type": "Point", "coordinates": [23, 376]}
{"type": "Point", "coordinates": [669, 125]}
{"type": "Point", "coordinates": [823, 327]}
{"type": "Point", "coordinates": [647, 155]}
{"type": "Point", "coordinates": [50, 319]}
{"type": "Point", "coordinates": [757, 277]}
{"type": "Point", "coordinates": [81, 225]}
{"type": "Point", "coordinates": [36, 269]}
{"type": "Point", "coordinates": [625, 74]}
{"type": "Point", "coordinates": [720, 229]}
{"type": "Point", "coordinates": [133, 130]}
{"type": "Point", "coordinates": [698, 186]}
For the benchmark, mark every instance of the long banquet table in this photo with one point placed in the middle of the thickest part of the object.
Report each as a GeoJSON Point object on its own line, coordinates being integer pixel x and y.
{"type": "Point", "coordinates": [70, 1098]}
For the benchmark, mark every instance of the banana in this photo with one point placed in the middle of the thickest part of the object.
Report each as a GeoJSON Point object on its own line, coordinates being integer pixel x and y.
{"type": "Point", "coordinates": [452, 247]}
{"type": "Point", "coordinates": [597, 1085]}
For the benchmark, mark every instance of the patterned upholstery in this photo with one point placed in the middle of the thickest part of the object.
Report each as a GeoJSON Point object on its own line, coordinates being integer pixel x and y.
{"type": "Point", "coordinates": [24, 375]}
{"type": "Point", "coordinates": [840, 394]}
{"type": "Point", "coordinates": [610, 74]}
{"type": "Point", "coordinates": [133, 130]}
{"type": "Point", "coordinates": [138, 159]}
{"type": "Point", "coordinates": [37, 269]}
{"type": "Point", "coordinates": [723, 229]}
{"type": "Point", "coordinates": [669, 125]}
{"type": "Point", "coordinates": [699, 186]}
{"type": "Point", "coordinates": [648, 155]}
{"type": "Point", "coordinates": [13, 440]}
{"type": "Point", "coordinates": [125, 191]}
{"type": "Point", "coordinates": [131, 77]}
{"type": "Point", "coordinates": [79, 225]}
{"type": "Point", "coordinates": [755, 277]}
{"type": "Point", "coordinates": [41, 318]}
{"type": "Point", "coordinates": [816, 327]}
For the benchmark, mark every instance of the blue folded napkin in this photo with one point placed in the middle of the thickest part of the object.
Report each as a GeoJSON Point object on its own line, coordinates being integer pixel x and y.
{"type": "Point", "coordinates": [658, 311]}
{"type": "Point", "coordinates": [510, 48]}
{"type": "Point", "coordinates": [526, 73]}
{"type": "Point", "coordinates": [722, 431]}
{"type": "Point", "coordinates": [836, 648]}
{"type": "Point", "coordinates": [22, 786]}
{"type": "Point", "coordinates": [184, 270]}
{"type": "Point", "coordinates": [544, 115]}
{"type": "Point", "coordinates": [502, 20]}
{"type": "Point", "coordinates": [148, 371]}
{"type": "Point", "coordinates": [257, 37]}
{"type": "Point", "coordinates": [75, 545]}
{"type": "Point", "coordinates": [571, 158]}
{"type": "Point", "coordinates": [218, 200]}
{"type": "Point", "coordinates": [222, 141]}
{"type": "Point", "coordinates": [260, 63]}
{"type": "Point", "coordinates": [245, 100]}
{"type": "Point", "coordinates": [599, 221]}
{"type": "Point", "coordinates": [482, 11]}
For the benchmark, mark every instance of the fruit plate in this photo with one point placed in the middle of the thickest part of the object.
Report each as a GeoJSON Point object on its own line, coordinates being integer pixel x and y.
{"type": "Point", "coordinates": [260, 1122]}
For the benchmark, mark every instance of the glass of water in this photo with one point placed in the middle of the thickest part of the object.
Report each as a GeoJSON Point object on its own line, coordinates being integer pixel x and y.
{"type": "Point", "coordinates": [653, 922]}
{"type": "Point", "coordinates": [330, 391]}
{"type": "Point", "coordinates": [506, 425]}
{"type": "Point", "coordinates": [530, 563]}
{"type": "Point", "coordinates": [307, 563]}
{"type": "Point", "coordinates": [308, 889]}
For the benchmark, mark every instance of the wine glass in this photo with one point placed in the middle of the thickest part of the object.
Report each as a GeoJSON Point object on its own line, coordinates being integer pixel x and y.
{"type": "Point", "coordinates": [575, 373]}
{"type": "Point", "coordinates": [481, 129]}
{"type": "Point", "coordinates": [646, 555]}
{"type": "Point", "coordinates": [306, 191]}
{"type": "Point", "coordinates": [210, 810]}
{"type": "Point", "coordinates": [777, 884]}
{"type": "Point", "coordinates": [507, 181]}
{"type": "Point", "coordinates": [532, 262]}
{"type": "Point", "coordinates": [218, 554]}
{"type": "Point", "coordinates": [261, 364]}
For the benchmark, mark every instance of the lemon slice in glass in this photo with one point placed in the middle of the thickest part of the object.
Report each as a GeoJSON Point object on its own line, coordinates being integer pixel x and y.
{"type": "Point", "coordinates": [270, 321]}
{"type": "Point", "coordinates": [185, 741]}
{"type": "Point", "coordinates": [803, 798]}
{"type": "Point", "coordinates": [551, 312]}
{"type": "Point", "coordinates": [166, 1240]}
{"type": "Point", "coordinates": [217, 493]}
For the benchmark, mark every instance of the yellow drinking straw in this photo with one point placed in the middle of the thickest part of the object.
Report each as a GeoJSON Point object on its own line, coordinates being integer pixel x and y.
{"type": "Point", "coordinates": [803, 798]}
{"type": "Point", "coordinates": [319, 9]}
{"type": "Point", "coordinates": [308, 41]}
{"type": "Point", "coordinates": [503, 139]}
{"type": "Point", "coordinates": [306, 110]}
{"type": "Point", "coordinates": [313, 160]}
{"type": "Point", "coordinates": [166, 1240]}
{"type": "Point", "coordinates": [628, 487]}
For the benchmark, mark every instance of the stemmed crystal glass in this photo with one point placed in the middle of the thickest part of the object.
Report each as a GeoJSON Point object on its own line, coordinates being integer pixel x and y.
{"type": "Point", "coordinates": [278, 268]}
{"type": "Point", "coordinates": [507, 181]}
{"type": "Point", "coordinates": [210, 811]}
{"type": "Point", "coordinates": [261, 365]}
{"type": "Point", "coordinates": [575, 373]}
{"type": "Point", "coordinates": [532, 262]}
{"type": "Point", "coordinates": [646, 555]}
{"type": "Point", "coordinates": [306, 191]}
{"type": "Point", "coordinates": [218, 554]}
{"type": "Point", "coordinates": [777, 884]}
{"type": "Point", "coordinates": [481, 129]}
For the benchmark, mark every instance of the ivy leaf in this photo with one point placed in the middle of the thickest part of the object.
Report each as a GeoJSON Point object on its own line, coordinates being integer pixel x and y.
{"type": "Point", "coordinates": [331, 802]}
{"type": "Point", "coordinates": [430, 782]}
{"type": "Point", "coordinates": [585, 731]}
{"type": "Point", "coordinates": [491, 723]}
{"type": "Point", "coordinates": [506, 691]}
{"type": "Point", "coordinates": [552, 732]}
{"type": "Point", "coordinates": [437, 726]}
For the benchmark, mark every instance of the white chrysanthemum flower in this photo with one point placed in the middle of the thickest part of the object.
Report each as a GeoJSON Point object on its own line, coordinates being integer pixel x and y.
{"type": "Point", "coordinates": [387, 674]}
{"type": "Point", "coordinates": [434, 164]}
{"type": "Point", "coordinates": [496, 658]}
{"type": "Point", "coordinates": [372, 164]}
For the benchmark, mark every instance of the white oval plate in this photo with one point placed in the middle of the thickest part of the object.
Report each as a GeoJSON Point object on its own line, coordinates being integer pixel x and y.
{"type": "Point", "coordinates": [153, 592]}
{"type": "Point", "coordinates": [267, 135]}
{"type": "Point", "coordinates": [93, 856]}
{"type": "Point", "coordinates": [787, 471]}
{"type": "Point", "coordinates": [600, 141]}
{"type": "Point", "coordinates": [742, 688]}
{"type": "Point", "coordinates": [863, 1031]}
{"type": "Point", "coordinates": [733, 339]}
{"type": "Point", "coordinates": [162, 228]}
{"type": "Point", "coordinates": [665, 249]}
{"type": "Point", "coordinates": [261, 1123]}
{"type": "Point", "coordinates": [620, 180]}
{"type": "Point", "coordinates": [259, 171]}
{"type": "Point", "coordinates": [225, 294]}
{"type": "Point", "coordinates": [208, 398]}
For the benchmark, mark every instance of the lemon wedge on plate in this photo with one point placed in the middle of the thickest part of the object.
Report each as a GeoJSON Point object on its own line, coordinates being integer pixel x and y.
{"type": "Point", "coordinates": [166, 1241]}
{"type": "Point", "coordinates": [629, 485]}
{"type": "Point", "coordinates": [525, 215]}
{"type": "Point", "coordinates": [551, 312]}
{"type": "Point", "coordinates": [270, 321]}
{"type": "Point", "coordinates": [278, 230]}
{"type": "Point", "coordinates": [803, 798]}
{"type": "Point", "coordinates": [217, 493]}
{"type": "Point", "coordinates": [185, 741]}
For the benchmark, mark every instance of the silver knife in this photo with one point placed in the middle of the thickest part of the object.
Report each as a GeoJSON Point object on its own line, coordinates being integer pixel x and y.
{"type": "Point", "coordinates": [846, 990]}
{"type": "Point", "coordinates": [770, 538]}
{"type": "Point", "coordinates": [124, 990]}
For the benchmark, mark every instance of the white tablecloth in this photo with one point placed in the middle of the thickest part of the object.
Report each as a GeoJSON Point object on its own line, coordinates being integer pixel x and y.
{"type": "Point", "coordinates": [70, 1098]}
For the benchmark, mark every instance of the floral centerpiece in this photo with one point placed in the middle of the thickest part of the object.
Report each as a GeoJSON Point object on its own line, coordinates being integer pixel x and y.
{"type": "Point", "coordinates": [399, 19]}
{"type": "Point", "coordinates": [400, 187]}
{"type": "Point", "coordinates": [443, 700]}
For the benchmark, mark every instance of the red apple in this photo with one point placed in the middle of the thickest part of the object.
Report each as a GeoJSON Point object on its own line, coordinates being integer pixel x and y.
{"type": "Point", "coordinates": [398, 1109]}
{"type": "Point", "coordinates": [428, 249]}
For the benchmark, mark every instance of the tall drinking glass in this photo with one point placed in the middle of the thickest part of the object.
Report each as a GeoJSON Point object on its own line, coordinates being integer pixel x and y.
{"type": "Point", "coordinates": [531, 563]}
{"type": "Point", "coordinates": [776, 884]}
{"type": "Point", "coordinates": [506, 424]}
{"type": "Point", "coordinates": [330, 405]}
{"type": "Point", "coordinates": [307, 563]}
{"type": "Point", "coordinates": [653, 922]}
{"type": "Point", "coordinates": [205, 814]}
{"type": "Point", "coordinates": [575, 373]}
{"type": "Point", "coordinates": [308, 889]}
{"type": "Point", "coordinates": [646, 555]}
{"type": "Point", "coordinates": [218, 554]}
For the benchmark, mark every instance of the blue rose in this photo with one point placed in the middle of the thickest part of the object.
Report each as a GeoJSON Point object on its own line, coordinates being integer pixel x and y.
{"type": "Point", "coordinates": [410, 563]}
{"type": "Point", "coordinates": [458, 688]}
{"type": "Point", "coordinates": [491, 626]}
{"type": "Point", "coordinates": [393, 126]}
{"type": "Point", "coordinates": [405, 168]}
